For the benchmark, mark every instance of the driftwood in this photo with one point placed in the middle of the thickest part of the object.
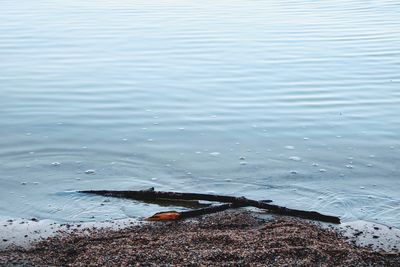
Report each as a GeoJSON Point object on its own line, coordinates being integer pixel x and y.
{"type": "Point", "coordinates": [234, 202]}
{"type": "Point", "coordinates": [190, 204]}
{"type": "Point", "coordinates": [174, 215]}
{"type": "Point", "coordinates": [151, 195]}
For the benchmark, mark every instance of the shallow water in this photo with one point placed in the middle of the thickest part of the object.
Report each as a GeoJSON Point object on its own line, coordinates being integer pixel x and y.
{"type": "Point", "coordinates": [295, 101]}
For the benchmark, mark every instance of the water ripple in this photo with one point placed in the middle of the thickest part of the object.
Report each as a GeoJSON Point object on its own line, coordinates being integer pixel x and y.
{"type": "Point", "coordinates": [200, 96]}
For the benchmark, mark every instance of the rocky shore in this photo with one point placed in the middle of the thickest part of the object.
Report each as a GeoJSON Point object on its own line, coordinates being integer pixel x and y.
{"type": "Point", "coordinates": [229, 238]}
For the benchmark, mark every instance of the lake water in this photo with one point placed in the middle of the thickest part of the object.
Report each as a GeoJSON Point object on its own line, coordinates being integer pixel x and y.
{"type": "Point", "coordinates": [294, 101]}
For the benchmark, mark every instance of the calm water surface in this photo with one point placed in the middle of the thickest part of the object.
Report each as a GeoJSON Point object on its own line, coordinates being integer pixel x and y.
{"type": "Point", "coordinates": [295, 101]}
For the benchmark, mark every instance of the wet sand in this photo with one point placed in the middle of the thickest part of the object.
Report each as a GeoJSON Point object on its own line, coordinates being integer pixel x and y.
{"type": "Point", "coordinates": [229, 238]}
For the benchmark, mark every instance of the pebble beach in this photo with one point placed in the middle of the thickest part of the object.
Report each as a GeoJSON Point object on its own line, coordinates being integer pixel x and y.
{"type": "Point", "coordinates": [225, 239]}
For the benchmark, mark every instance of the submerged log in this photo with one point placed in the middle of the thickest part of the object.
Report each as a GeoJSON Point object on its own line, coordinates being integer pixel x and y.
{"type": "Point", "coordinates": [175, 215]}
{"type": "Point", "coordinates": [190, 204]}
{"type": "Point", "coordinates": [152, 195]}
{"type": "Point", "coordinates": [234, 202]}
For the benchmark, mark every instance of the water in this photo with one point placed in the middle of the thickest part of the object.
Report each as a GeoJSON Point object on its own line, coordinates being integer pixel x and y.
{"type": "Point", "coordinates": [295, 101]}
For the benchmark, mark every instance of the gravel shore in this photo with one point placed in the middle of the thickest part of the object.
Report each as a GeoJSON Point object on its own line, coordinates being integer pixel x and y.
{"type": "Point", "coordinates": [229, 238]}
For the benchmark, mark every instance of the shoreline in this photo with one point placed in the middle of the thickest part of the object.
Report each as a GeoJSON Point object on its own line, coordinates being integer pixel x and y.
{"type": "Point", "coordinates": [235, 237]}
{"type": "Point", "coordinates": [25, 233]}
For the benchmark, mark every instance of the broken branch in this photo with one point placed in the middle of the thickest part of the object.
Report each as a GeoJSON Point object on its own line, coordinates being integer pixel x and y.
{"type": "Point", "coordinates": [151, 195]}
{"type": "Point", "coordinates": [234, 202]}
{"type": "Point", "coordinates": [174, 215]}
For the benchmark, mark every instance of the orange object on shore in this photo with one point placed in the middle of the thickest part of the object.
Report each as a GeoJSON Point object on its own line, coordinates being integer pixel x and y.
{"type": "Point", "coordinates": [164, 216]}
